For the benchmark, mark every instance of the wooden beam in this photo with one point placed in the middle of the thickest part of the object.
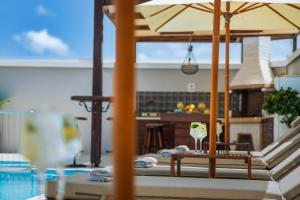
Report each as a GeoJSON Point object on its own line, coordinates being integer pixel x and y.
{"type": "Point", "coordinates": [112, 2]}
{"type": "Point", "coordinates": [186, 33]}
{"type": "Point", "coordinates": [142, 27]}
{"type": "Point", "coordinates": [214, 88]}
{"type": "Point", "coordinates": [124, 93]}
{"type": "Point", "coordinates": [185, 38]}
{"type": "Point", "coordinates": [246, 31]}
{"type": "Point", "coordinates": [96, 134]}
{"type": "Point", "coordinates": [137, 15]}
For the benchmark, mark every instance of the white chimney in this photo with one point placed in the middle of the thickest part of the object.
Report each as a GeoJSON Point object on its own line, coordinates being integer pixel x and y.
{"type": "Point", "coordinates": [255, 71]}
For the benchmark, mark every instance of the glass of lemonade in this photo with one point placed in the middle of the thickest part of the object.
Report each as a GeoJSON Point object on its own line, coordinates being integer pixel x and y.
{"type": "Point", "coordinates": [195, 132]}
{"type": "Point", "coordinates": [202, 135]}
{"type": "Point", "coordinates": [219, 131]}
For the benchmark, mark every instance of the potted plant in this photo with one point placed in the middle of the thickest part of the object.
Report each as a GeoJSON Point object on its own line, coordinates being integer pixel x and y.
{"type": "Point", "coordinates": [284, 102]}
{"type": "Point", "coordinates": [3, 101]}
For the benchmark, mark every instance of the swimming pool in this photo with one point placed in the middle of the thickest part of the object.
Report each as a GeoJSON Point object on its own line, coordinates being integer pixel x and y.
{"type": "Point", "coordinates": [19, 183]}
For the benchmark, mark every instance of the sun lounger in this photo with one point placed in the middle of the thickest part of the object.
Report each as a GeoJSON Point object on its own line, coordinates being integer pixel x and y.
{"type": "Point", "coordinates": [267, 162]}
{"type": "Point", "coordinates": [290, 133]}
{"type": "Point", "coordinates": [186, 171]}
{"type": "Point", "coordinates": [276, 173]}
{"type": "Point", "coordinates": [179, 188]}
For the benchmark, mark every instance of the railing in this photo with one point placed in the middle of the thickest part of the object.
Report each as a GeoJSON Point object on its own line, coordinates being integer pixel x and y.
{"type": "Point", "coordinates": [11, 123]}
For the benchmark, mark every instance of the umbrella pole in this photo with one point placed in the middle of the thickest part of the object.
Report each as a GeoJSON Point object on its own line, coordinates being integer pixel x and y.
{"type": "Point", "coordinates": [227, 95]}
{"type": "Point", "coordinates": [124, 93]}
{"type": "Point", "coordinates": [97, 83]}
{"type": "Point", "coordinates": [214, 88]}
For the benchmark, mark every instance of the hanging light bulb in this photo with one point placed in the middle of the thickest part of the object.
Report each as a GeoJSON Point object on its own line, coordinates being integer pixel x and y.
{"type": "Point", "coordinates": [189, 65]}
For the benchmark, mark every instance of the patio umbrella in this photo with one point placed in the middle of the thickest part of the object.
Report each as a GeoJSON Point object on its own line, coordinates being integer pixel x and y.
{"type": "Point", "coordinates": [265, 17]}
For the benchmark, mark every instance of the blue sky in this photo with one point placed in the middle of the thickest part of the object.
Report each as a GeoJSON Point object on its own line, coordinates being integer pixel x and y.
{"type": "Point", "coordinates": [62, 29]}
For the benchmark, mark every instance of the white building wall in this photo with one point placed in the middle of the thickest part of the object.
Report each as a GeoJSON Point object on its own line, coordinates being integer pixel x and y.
{"type": "Point", "coordinates": [29, 87]}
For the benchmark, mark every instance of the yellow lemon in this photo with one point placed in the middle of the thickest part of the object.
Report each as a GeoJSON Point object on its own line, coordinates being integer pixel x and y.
{"type": "Point", "coordinates": [192, 106]}
{"type": "Point", "coordinates": [70, 133]}
{"type": "Point", "coordinates": [180, 105]}
{"type": "Point", "coordinates": [206, 111]}
{"type": "Point", "coordinates": [191, 110]}
{"type": "Point", "coordinates": [201, 106]}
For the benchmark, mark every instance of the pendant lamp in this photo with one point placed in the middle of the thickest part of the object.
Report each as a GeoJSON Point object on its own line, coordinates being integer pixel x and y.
{"type": "Point", "coordinates": [189, 65]}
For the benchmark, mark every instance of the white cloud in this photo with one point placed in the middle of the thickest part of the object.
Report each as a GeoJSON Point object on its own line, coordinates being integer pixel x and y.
{"type": "Point", "coordinates": [143, 57]}
{"type": "Point", "coordinates": [41, 42]}
{"type": "Point", "coordinates": [43, 11]}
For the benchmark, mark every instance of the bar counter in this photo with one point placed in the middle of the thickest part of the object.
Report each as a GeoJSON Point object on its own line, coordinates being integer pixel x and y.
{"type": "Point", "coordinates": [177, 125]}
{"type": "Point", "coordinates": [176, 128]}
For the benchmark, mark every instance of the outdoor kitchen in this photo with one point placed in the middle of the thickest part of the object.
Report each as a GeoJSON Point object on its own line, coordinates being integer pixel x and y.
{"type": "Point", "coordinates": [248, 122]}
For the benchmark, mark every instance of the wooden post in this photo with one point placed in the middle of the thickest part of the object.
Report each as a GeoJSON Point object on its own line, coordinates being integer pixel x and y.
{"type": "Point", "coordinates": [97, 83]}
{"type": "Point", "coordinates": [227, 95]}
{"type": "Point", "coordinates": [124, 93]}
{"type": "Point", "coordinates": [214, 88]}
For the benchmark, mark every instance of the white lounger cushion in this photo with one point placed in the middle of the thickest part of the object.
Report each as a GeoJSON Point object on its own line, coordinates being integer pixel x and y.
{"type": "Point", "coordinates": [202, 172]}
{"type": "Point", "coordinates": [151, 187]}
{"type": "Point", "coordinates": [269, 161]}
{"type": "Point", "coordinates": [286, 165]}
{"type": "Point", "coordinates": [276, 173]}
{"type": "Point", "coordinates": [291, 132]}
{"type": "Point", "coordinates": [282, 151]}
{"type": "Point", "coordinates": [295, 122]}
{"type": "Point", "coordinates": [290, 184]}
{"type": "Point", "coordinates": [257, 163]}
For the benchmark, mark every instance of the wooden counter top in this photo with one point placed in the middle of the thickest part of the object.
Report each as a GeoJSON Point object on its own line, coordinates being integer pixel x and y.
{"type": "Point", "coordinates": [246, 120]}
{"type": "Point", "coordinates": [147, 118]}
{"type": "Point", "coordinates": [188, 117]}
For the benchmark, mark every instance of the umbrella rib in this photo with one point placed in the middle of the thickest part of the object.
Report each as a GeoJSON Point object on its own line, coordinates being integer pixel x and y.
{"type": "Point", "coordinates": [283, 17]}
{"type": "Point", "coordinates": [172, 17]}
{"type": "Point", "coordinates": [252, 8]}
{"type": "Point", "coordinates": [162, 10]}
{"type": "Point", "coordinates": [294, 6]}
{"type": "Point", "coordinates": [248, 7]}
{"type": "Point", "coordinates": [204, 10]}
{"type": "Point", "coordinates": [240, 7]}
{"type": "Point", "coordinates": [203, 6]}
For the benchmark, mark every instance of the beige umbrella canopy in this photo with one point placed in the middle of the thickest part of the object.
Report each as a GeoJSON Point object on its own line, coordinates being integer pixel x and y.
{"type": "Point", "coordinates": [269, 16]}
{"type": "Point", "coordinates": [262, 17]}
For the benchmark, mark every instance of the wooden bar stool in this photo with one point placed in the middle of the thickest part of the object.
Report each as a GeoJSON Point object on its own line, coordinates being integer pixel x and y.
{"type": "Point", "coordinates": [245, 138]}
{"type": "Point", "coordinates": [153, 140]}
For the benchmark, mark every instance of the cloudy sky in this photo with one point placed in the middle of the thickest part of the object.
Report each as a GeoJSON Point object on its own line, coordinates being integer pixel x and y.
{"type": "Point", "coordinates": [62, 29]}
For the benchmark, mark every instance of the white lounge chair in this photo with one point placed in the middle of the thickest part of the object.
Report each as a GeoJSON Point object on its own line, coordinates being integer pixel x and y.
{"type": "Point", "coordinates": [179, 188]}
{"type": "Point", "coordinates": [268, 161]}
{"type": "Point", "coordinates": [275, 173]}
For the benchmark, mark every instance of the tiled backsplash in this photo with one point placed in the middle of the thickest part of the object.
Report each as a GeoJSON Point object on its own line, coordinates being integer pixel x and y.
{"type": "Point", "coordinates": [167, 101]}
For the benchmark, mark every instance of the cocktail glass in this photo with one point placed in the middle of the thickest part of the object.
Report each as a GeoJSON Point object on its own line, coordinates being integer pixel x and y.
{"type": "Point", "coordinates": [202, 135]}
{"type": "Point", "coordinates": [195, 132]}
{"type": "Point", "coordinates": [219, 131]}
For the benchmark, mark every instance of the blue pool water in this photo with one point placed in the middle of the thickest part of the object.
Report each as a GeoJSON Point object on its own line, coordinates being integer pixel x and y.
{"type": "Point", "coordinates": [18, 182]}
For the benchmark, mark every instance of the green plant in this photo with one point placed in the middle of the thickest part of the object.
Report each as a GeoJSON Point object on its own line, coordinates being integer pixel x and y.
{"type": "Point", "coordinates": [3, 101]}
{"type": "Point", "coordinates": [284, 102]}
